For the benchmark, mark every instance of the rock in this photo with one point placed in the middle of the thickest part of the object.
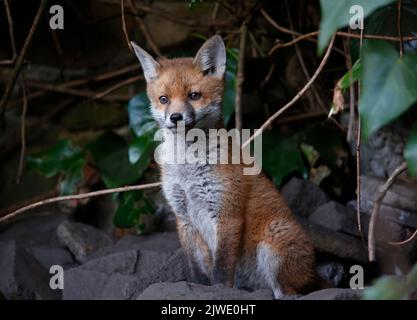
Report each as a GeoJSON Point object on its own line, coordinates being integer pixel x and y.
{"type": "Point", "coordinates": [191, 291]}
{"type": "Point", "coordinates": [120, 262]}
{"type": "Point", "coordinates": [158, 241]}
{"type": "Point", "coordinates": [303, 197]}
{"type": "Point", "coordinates": [399, 204]}
{"type": "Point", "coordinates": [123, 275]}
{"type": "Point", "coordinates": [161, 266]}
{"type": "Point", "coordinates": [332, 294]}
{"type": "Point", "coordinates": [333, 272]}
{"type": "Point", "coordinates": [34, 230]}
{"type": "Point", "coordinates": [21, 275]}
{"type": "Point", "coordinates": [82, 239]}
{"type": "Point", "coordinates": [51, 256]}
{"type": "Point", "coordinates": [383, 151]}
{"type": "Point", "coordinates": [82, 284]}
{"type": "Point", "coordinates": [335, 243]}
{"type": "Point", "coordinates": [336, 217]}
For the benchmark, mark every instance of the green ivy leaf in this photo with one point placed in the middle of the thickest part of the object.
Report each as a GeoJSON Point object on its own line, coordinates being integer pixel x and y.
{"type": "Point", "coordinates": [131, 206]}
{"type": "Point", "coordinates": [140, 147]}
{"type": "Point", "coordinates": [281, 157]}
{"type": "Point", "coordinates": [63, 158]}
{"type": "Point", "coordinates": [110, 153]}
{"type": "Point", "coordinates": [388, 85]}
{"type": "Point", "coordinates": [392, 287]}
{"type": "Point", "coordinates": [335, 14]}
{"type": "Point", "coordinates": [351, 76]}
{"type": "Point", "coordinates": [140, 117]}
{"type": "Point", "coordinates": [410, 153]}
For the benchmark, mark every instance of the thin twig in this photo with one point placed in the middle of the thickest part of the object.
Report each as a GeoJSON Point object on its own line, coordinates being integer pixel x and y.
{"type": "Point", "coordinates": [101, 95]}
{"type": "Point", "coordinates": [307, 74]}
{"type": "Point", "coordinates": [297, 96]}
{"type": "Point", "coordinates": [19, 61]}
{"type": "Point", "coordinates": [399, 8]}
{"type": "Point", "coordinates": [400, 243]}
{"type": "Point", "coordinates": [291, 32]}
{"type": "Point", "coordinates": [144, 29]}
{"type": "Point", "coordinates": [122, 8]}
{"type": "Point", "coordinates": [77, 82]}
{"type": "Point", "coordinates": [375, 211]}
{"type": "Point", "coordinates": [22, 133]}
{"type": "Point", "coordinates": [240, 78]}
{"type": "Point", "coordinates": [184, 20]}
{"type": "Point", "coordinates": [78, 197]}
{"type": "Point", "coordinates": [75, 92]}
{"type": "Point", "coordinates": [346, 46]}
{"type": "Point", "coordinates": [308, 36]}
{"type": "Point", "coordinates": [11, 32]}
{"type": "Point", "coordinates": [358, 157]}
{"type": "Point", "coordinates": [7, 62]}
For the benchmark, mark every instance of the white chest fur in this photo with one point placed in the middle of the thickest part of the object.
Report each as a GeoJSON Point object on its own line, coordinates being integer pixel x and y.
{"type": "Point", "coordinates": [195, 194]}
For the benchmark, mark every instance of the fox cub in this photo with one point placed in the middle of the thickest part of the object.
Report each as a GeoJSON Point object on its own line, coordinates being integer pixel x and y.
{"type": "Point", "coordinates": [235, 229]}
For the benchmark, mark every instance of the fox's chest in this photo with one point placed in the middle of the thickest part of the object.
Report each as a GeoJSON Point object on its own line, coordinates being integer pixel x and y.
{"type": "Point", "coordinates": [195, 194]}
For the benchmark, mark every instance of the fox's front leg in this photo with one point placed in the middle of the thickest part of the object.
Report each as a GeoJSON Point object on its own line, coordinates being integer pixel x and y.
{"type": "Point", "coordinates": [229, 235]}
{"type": "Point", "coordinates": [196, 250]}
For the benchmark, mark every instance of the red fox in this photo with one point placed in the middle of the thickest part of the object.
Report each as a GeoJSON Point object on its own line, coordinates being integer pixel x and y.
{"type": "Point", "coordinates": [235, 229]}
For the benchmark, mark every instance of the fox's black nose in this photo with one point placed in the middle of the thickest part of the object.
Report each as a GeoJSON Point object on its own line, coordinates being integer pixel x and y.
{"type": "Point", "coordinates": [175, 117]}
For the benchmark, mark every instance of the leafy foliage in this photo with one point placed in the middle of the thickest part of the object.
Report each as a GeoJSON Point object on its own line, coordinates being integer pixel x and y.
{"type": "Point", "coordinates": [62, 159]}
{"type": "Point", "coordinates": [392, 287]}
{"type": "Point", "coordinates": [140, 117]}
{"type": "Point", "coordinates": [351, 76]}
{"type": "Point", "coordinates": [388, 85]}
{"type": "Point", "coordinates": [336, 14]}
{"type": "Point", "coordinates": [410, 153]}
{"type": "Point", "coordinates": [281, 157]}
{"type": "Point", "coordinates": [110, 154]}
{"type": "Point", "coordinates": [131, 206]}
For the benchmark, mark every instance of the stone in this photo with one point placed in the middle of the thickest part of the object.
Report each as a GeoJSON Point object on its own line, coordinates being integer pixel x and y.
{"type": "Point", "coordinates": [336, 217]}
{"type": "Point", "coordinates": [332, 294]}
{"type": "Point", "coordinates": [22, 276]}
{"type": "Point", "coordinates": [335, 243]}
{"type": "Point", "coordinates": [39, 229]}
{"type": "Point", "coordinates": [191, 291]}
{"type": "Point", "coordinates": [48, 256]}
{"type": "Point", "coordinates": [82, 284]}
{"type": "Point", "coordinates": [332, 272]}
{"type": "Point", "coordinates": [303, 197]}
{"type": "Point", "coordinates": [123, 275]}
{"type": "Point", "coordinates": [82, 239]}
{"type": "Point", "coordinates": [399, 204]}
{"type": "Point", "coordinates": [119, 262]}
{"type": "Point", "coordinates": [383, 151]}
{"type": "Point", "coordinates": [158, 241]}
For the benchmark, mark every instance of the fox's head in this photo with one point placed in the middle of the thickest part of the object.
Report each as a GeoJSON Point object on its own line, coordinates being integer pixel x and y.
{"type": "Point", "coordinates": [186, 89]}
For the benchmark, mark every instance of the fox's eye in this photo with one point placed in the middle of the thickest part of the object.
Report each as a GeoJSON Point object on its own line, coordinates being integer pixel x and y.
{"type": "Point", "coordinates": [163, 99]}
{"type": "Point", "coordinates": [195, 95]}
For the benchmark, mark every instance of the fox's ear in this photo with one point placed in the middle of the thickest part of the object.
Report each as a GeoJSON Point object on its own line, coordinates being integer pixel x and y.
{"type": "Point", "coordinates": [211, 57]}
{"type": "Point", "coordinates": [149, 65]}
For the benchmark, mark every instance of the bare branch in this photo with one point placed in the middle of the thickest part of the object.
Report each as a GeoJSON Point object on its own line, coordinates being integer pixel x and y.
{"type": "Point", "coordinates": [78, 197]}
{"type": "Point", "coordinates": [375, 211]}
{"type": "Point", "coordinates": [297, 96]}
{"type": "Point", "coordinates": [400, 243]}
{"type": "Point", "coordinates": [22, 132]}
{"type": "Point", "coordinates": [122, 8]}
{"type": "Point", "coordinates": [101, 95]}
{"type": "Point", "coordinates": [399, 9]}
{"type": "Point", "coordinates": [20, 58]}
